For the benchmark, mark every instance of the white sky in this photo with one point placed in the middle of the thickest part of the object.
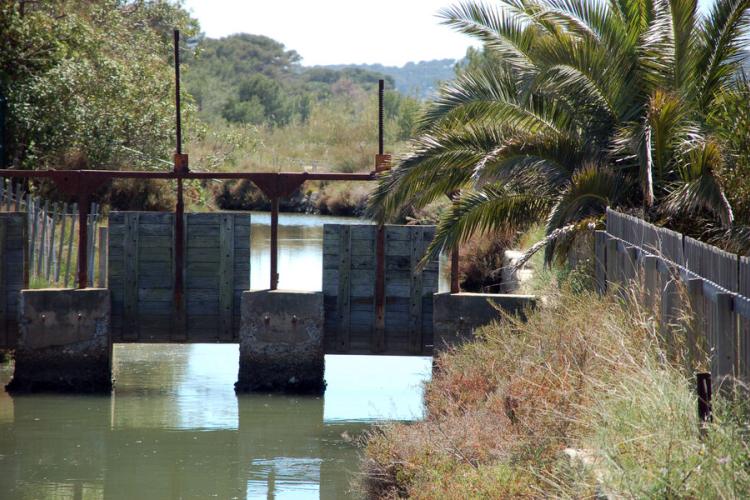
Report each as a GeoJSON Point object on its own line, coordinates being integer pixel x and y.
{"type": "Point", "coordinates": [391, 32]}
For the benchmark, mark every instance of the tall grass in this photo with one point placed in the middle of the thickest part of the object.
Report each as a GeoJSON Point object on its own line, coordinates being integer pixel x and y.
{"type": "Point", "coordinates": [578, 401]}
{"type": "Point", "coordinates": [340, 135]}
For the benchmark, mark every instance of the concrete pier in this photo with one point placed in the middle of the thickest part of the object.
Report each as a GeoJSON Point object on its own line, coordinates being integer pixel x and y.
{"type": "Point", "coordinates": [281, 342]}
{"type": "Point", "coordinates": [456, 316]}
{"type": "Point", "coordinates": [64, 342]}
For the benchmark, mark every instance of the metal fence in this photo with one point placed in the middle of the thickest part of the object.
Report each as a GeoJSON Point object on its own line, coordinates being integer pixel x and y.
{"type": "Point", "coordinates": [53, 239]}
{"type": "Point", "coordinates": [675, 271]}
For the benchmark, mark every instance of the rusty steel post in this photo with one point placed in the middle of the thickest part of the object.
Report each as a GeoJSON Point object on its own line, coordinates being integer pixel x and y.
{"type": "Point", "coordinates": [703, 388]}
{"type": "Point", "coordinates": [178, 117]}
{"type": "Point", "coordinates": [274, 242]}
{"type": "Point", "coordinates": [378, 342]}
{"type": "Point", "coordinates": [180, 170]}
{"type": "Point", "coordinates": [381, 115]}
{"type": "Point", "coordinates": [179, 236]}
{"type": "Point", "coordinates": [83, 234]}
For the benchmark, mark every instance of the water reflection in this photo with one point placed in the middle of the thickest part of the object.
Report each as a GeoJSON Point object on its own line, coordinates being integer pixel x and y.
{"type": "Point", "coordinates": [300, 250]}
{"type": "Point", "coordinates": [174, 428]}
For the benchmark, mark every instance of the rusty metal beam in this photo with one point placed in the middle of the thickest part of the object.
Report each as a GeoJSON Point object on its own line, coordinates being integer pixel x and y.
{"type": "Point", "coordinates": [256, 177]}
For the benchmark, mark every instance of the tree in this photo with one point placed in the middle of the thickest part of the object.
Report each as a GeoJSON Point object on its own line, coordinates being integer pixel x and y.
{"type": "Point", "coordinates": [259, 99]}
{"type": "Point", "coordinates": [89, 84]}
{"type": "Point", "coordinates": [575, 106]}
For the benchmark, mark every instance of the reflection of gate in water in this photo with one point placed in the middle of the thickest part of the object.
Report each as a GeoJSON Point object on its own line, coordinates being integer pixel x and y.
{"type": "Point", "coordinates": [142, 271]}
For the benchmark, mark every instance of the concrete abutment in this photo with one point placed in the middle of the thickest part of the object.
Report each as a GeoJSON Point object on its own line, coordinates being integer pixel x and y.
{"type": "Point", "coordinates": [281, 342]}
{"type": "Point", "coordinates": [64, 342]}
{"type": "Point", "coordinates": [456, 316]}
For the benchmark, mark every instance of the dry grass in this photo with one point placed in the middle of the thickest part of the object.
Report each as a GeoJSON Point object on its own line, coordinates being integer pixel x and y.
{"type": "Point", "coordinates": [584, 372]}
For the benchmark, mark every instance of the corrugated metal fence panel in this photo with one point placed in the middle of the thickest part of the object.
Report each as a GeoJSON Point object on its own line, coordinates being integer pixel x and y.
{"type": "Point", "coordinates": [13, 273]}
{"type": "Point", "coordinates": [349, 287]}
{"type": "Point", "coordinates": [744, 290]}
{"type": "Point", "coordinates": [712, 264]}
{"type": "Point", "coordinates": [724, 303]}
{"type": "Point", "coordinates": [671, 246]}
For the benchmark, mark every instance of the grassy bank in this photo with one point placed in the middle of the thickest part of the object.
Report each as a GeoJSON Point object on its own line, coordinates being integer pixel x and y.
{"type": "Point", "coordinates": [577, 402]}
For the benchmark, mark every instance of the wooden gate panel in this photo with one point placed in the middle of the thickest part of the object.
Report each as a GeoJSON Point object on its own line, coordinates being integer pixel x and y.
{"type": "Point", "coordinates": [14, 274]}
{"type": "Point", "coordinates": [349, 263]}
{"type": "Point", "coordinates": [141, 273]}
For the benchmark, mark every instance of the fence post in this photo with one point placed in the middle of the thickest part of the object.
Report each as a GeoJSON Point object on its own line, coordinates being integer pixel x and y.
{"type": "Point", "coordinates": [32, 241]}
{"type": "Point", "coordinates": [696, 330]}
{"type": "Point", "coordinates": [650, 280]}
{"type": "Point", "coordinates": [703, 389]}
{"type": "Point", "coordinates": [669, 308]}
{"type": "Point", "coordinates": [600, 256]}
{"type": "Point", "coordinates": [19, 196]}
{"type": "Point", "coordinates": [9, 195]}
{"type": "Point", "coordinates": [42, 239]}
{"type": "Point", "coordinates": [61, 246]}
{"type": "Point", "coordinates": [68, 259]}
{"type": "Point", "coordinates": [102, 280]}
{"type": "Point", "coordinates": [632, 270]}
{"type": "Point", "coordinates": [53, 231]}
{"type": "Point", "coordinates": [726, 347]}
{"type": "Point", "coordinates": [92, 219]}
{"type": "Point", "coordinates": [613, 272]}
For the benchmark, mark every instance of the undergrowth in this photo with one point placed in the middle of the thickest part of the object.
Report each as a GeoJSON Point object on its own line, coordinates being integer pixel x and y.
{"type": "Point", "coordinates": [579, 401]}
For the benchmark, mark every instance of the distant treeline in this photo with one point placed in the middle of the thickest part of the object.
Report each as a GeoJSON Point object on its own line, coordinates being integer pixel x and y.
{"type": "Point", "coordinates": [254, 79]}
{"type": "Point", "coordinates": [417, 79]}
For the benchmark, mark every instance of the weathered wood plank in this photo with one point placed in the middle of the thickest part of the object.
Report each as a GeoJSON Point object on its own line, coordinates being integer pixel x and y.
{"type": "Point", "coordinates": [342, 306]}
{"type": "Point", "coordinates": [226, 276]}
{"type": "Point", "coordinates": [415, 292]}
{"type": "Point", "coordinates": [164, 241]}
{"type": "Point", "coordinates": [146, 229]}
{"type": "Point", "coordinates": [131, 282]}
{"type": "Point", "coordinates": [203, 255]}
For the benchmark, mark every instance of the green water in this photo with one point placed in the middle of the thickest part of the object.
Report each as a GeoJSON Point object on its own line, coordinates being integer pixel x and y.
{"type": "Point", "coordinates": [173, 428]}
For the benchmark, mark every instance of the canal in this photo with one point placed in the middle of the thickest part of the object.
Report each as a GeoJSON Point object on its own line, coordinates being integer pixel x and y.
{"type": "Point", "coordinates": [174, 428]}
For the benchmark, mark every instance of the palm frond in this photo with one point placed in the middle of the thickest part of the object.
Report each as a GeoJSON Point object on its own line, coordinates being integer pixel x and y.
{"type": "Point", "coordinates": [723, 36]}
{"type": "Point", "coordinates": [698, 188]}
{"type": "Point", "coordinates": [490, 209]}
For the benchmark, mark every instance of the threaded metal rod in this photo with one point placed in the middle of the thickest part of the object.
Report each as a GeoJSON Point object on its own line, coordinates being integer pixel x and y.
{"type": "Point", "coordinates": [178, 122]}
{"type": "Point", "coordinates": [381, 114]}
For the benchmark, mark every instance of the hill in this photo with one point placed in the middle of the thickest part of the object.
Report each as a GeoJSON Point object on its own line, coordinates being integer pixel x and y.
{"type": "Point", "coordinates": [419, 79]}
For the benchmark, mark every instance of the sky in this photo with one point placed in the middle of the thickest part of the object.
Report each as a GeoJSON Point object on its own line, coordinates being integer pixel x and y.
{"type": "Point", "coordinates": [390, 32]}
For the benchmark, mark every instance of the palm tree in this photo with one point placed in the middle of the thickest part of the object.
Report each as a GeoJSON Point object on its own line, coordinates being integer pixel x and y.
{"type": "Point", "coordinates": [579, 105]}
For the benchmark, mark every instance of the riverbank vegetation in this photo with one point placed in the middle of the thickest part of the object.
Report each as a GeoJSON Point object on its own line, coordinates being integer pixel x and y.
{"type": "Point", "coordinates": [583, 400]}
